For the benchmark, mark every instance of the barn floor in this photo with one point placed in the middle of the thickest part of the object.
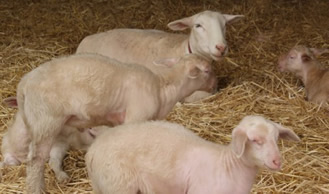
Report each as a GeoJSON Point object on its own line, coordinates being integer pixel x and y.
{"type": "Point", "coordinates": [34, 31]}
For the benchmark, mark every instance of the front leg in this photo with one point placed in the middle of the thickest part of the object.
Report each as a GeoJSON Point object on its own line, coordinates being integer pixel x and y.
{"type": "Point", "coordinates": [57, 154]}
{"type": "Point", "coordinates": [196, 96]}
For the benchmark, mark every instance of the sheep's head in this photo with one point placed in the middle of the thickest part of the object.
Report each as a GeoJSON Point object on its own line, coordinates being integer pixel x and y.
{"type": "Point", "coordinates": [207, 32]}
{"type": "Point", "coordinates": [255, 140]}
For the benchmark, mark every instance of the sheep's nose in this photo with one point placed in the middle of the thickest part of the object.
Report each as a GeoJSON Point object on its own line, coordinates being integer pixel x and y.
{"type": "Point", "coordinates": [221, 48]}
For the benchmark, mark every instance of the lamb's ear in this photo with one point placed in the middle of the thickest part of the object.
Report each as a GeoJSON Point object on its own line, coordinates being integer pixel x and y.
{"type": "Point", "coordinates": [286, 133]}
{"type": "Point", "coordinates": [306, 58]}
{"type": "Point", "coordinates": [181, 24]}
{"type": "Point", "coordinates": [169, 62]}
{"type": "Point", "coordinates": [230, 19]}
{"type": "Point", "coordinates": [239, 140]}
{"type": "Point", "coordinates": [10, 102]}
{"type": "Point", "coordinates": [319, 51]}
{"type": "Point", "coordinates": [194, 72]}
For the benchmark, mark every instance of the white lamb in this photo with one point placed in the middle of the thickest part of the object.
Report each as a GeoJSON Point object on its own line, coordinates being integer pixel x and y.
{"type": "Point", "coordinates": [86, 90]}
{"type": "Point", "coordinates": [161, 158]}
{"type": "Point", "coordinates": [207, 39]}
{"type": "Point", "coordinates": [302, 61]}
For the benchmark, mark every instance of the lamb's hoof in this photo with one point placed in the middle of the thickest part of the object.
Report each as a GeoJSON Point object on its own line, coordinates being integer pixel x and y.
{"type": "Point", "coordinates": [62, 178]}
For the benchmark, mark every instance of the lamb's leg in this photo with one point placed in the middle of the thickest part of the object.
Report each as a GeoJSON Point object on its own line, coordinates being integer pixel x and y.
{"type": "Point", "coordinates": [57, 154]}
{"type": "Point", "coordinates": [196, 96]}
{"type": "Point", "coordinates": [35, 165]}
{"type": "Point", "coordinates": [44, 131]}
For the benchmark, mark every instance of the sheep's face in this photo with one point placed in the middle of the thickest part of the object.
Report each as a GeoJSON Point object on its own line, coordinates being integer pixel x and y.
{"type": "Point", "coordinates": [207, 32]}
{"type": "Point", "coordinates": [255, 140]}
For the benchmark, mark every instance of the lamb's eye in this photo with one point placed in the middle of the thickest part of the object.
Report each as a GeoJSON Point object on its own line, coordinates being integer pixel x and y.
{"type": "Point", "coordinates": [198, 25]}
{"type": "Point", "coordinates": [258, 142]}
{"type": "Point", "coordinates": [292, 56]}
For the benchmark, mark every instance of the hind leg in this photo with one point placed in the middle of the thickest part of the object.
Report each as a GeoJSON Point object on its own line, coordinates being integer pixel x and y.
{"type": "Point", "coordinates": [35, 166]}
{"type": "Point", "coordinates": [109, 173]}
{"type": "Point", "coordinates": [44, 131]}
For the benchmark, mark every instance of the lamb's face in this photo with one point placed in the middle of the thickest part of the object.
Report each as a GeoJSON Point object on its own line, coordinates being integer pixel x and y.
{"type": "Point", "coordinates": [294, 60]}
{"type": "Point", "coordinates": [255, 139]}
{"type": "Point", "coordinates": [199, 74]}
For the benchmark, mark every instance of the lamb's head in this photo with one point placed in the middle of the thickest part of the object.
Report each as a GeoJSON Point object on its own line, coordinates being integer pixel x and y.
{"type": "Point", "coordinates": [192, 72]}
{"type": "Point", "coordinates": [298, 57]}
{"type": "Point", "coordinates": [207, 37]}
{"type": "Point", "coordinates": [255, 141]}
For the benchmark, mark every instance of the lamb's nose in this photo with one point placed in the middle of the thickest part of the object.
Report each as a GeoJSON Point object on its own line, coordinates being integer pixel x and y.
{"type": "Point", "coordinates": [277, 163]}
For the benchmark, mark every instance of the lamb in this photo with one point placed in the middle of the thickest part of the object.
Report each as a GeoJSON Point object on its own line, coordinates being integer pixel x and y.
{"type": "Point", "coordinates": [206, 39]}
{"type": "Point", "coordinates": [86, 90]}
{"type": "Point", "coordinates": [15, 143]}
{"type": "Point", "coordinates": [162, 157]}
{"type": "Point", "coordinates": [302, 61]}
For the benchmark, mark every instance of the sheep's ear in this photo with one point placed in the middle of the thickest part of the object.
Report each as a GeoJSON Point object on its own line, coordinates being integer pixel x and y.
{"type": "Point", "coordinates": [10, 102]}
{"type": "Point", "coordinates": [230, 19]}
{"type": "Point", "coordinates": [319, 51]}
{"type": "Point", "coordinates": [239, 140]}
{"type": "Point", "coordinates": [182, 24]}
{"type": "Point", "coordinates": [169, 62]}
{"type": "Point", "coordinates": [286, 133]}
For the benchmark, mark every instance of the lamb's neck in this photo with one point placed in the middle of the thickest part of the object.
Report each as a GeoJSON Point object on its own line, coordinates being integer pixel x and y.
{"type": "Point", "coordinates": [311, 74]}
{"type": "Point", "coordinates": [170, 93]}
{"type": "Point", "coordinates": [240, 169]}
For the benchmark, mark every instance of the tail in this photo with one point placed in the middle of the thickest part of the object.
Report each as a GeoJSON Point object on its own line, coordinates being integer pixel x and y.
{"type": "Point", "coordinates": [21, 108]}
{"type": "Point", "coordinates": [1, 167]}
{"type": "Point", "coordinates": [21, 104]}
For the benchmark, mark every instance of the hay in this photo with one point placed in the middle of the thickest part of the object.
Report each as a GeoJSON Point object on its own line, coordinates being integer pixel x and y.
{"type": "Point", "coordinates": [32, 32]}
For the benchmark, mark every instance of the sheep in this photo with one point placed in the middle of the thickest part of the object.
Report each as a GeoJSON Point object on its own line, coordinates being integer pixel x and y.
{"type": "Point", "coordinates": [207, 39]}
{"type": "Point", "coordinates": [15, 142]}
{"type": "Point", "coordinates": [161, 157]}
{"type": "Point", "coordinates": [302, 61]}
{"type": "Point", "coordinates": [86, 90]}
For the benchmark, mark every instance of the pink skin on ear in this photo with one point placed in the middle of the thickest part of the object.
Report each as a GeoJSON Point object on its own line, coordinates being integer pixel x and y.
{"type": "Point", "coordinates": [232, 18]}
{"type": "Point", "coordinates": [181, 24]}
{"type": "Point", "coordinates": [239, 140]}
{"type": "Point", "coordinates": [317, 52]}
{"type": "Point", "coordinates": [11, 102]}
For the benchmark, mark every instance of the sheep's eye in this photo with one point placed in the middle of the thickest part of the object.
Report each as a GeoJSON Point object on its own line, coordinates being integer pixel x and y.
{"type": "Point", "coordinates": [291, 57]}
{"type": "Point", "coordinates": [198, 25]}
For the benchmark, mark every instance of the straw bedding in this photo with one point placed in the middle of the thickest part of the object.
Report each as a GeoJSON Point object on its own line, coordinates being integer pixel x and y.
{"type": "Point", "coordinates": [32, 32]}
